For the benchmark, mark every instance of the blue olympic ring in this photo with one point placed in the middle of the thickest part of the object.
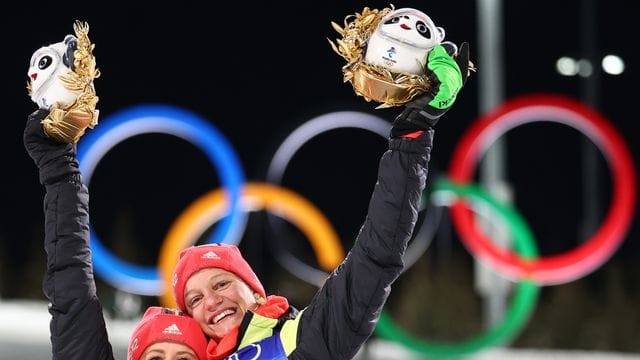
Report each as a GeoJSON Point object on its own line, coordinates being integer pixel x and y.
{"type": "Point", "coordinates": [143, 119]}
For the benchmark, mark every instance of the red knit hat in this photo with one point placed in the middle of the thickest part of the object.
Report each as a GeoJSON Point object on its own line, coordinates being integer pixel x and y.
{"type": "Point", "coordinates": [221, 256]}
{"type": "Point", "coordinates": [161, 324]}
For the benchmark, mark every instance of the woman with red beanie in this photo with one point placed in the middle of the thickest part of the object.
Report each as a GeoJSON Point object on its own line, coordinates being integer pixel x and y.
{"type": "Point", "coordinates": [77, 324]}
{"type": "Point", "coordinates": [167, 334]}
{"type": "Point", "coordinates": [217, 287]}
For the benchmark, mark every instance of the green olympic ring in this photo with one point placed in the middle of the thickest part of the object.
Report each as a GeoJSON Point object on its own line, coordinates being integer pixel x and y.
{"type": "Point", "coordinates": [519, 310]}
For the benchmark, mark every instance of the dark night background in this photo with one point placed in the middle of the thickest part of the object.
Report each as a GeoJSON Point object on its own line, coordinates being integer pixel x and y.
{"type": "Point", "coordinates": [259, 71]}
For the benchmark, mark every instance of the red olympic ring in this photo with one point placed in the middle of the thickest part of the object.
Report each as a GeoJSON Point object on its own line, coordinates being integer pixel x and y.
{"type": "Point", "coordinates": [607, 238]}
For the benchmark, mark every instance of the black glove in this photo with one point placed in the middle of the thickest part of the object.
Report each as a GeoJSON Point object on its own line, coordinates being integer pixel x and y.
{"type": "Point", "coordinates": [447, 76]}
{"type": "Point", "coordinates": [55, 160]}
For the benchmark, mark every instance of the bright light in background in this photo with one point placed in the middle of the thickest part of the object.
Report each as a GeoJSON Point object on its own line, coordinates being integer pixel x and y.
{"type": "Point", "coordinates": [613, 64]}
{"type": "Point", "coordinates": [567, 66]}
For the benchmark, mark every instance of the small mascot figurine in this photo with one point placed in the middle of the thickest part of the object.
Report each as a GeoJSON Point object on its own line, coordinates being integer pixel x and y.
{"type": "Point", "coordinates": [61, 80]}
{"type": "Point", "coordinates": [387, 51]}
{"type": "Point", "coordinates": [402, 40]}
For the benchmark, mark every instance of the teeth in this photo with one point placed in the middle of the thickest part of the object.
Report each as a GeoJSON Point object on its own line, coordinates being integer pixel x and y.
{"type": "Point", "coordinates": [223, 314]}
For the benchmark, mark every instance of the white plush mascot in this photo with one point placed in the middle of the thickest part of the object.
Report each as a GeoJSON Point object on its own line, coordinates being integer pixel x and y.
{"type": "Point", "coordinates": [402, 41]}
{"type": "Point", "coordinates": [389, 52]}
{"type": "Point", "coordinates": [61, 81]}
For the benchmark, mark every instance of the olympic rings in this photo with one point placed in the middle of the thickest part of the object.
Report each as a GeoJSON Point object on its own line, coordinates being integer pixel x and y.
{"type": "Point", "coordinates": [167, 120]}
{"type": "Point", "coordinates": [523, 266]}
{"type": "Point", "coordinates": [518, 312]}
{"type": "Point", "coordinates": [304, 133]}
{"type": "Point", "coordinates": [595, 250]}
{"type": "Point", "coordinates": [207, 209]}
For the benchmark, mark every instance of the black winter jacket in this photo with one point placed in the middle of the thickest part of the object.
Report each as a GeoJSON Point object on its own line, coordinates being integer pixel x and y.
{"type": "Point", "coordinates": [77, 325]}
{"type": "Point", "coordinates": [344, 313]}
{"type": "Point", "coordinates": [340, 318]}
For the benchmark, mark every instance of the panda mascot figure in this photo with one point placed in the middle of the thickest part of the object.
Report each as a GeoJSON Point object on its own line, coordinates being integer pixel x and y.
{"type": "Point", "coordinates": [402, 41]}
{"type": "Point", "coordinates": [389, 53]}
{"type": "Point", "coordinates": [61, 83]}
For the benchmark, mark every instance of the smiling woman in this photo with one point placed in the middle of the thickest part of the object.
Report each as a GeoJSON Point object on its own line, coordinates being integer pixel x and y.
{"type": "Point", "coordinates": [216, 276]}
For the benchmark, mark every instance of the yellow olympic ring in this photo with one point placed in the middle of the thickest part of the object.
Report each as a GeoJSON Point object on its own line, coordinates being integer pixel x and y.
{"type": "Point", "coordinates": [207, 209]}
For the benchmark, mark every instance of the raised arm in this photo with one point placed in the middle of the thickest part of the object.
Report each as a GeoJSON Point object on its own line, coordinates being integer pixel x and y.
{"type": "Point", "coordinates": [77, 326]}
{"type": "Point", "coordinates": [345, 311]}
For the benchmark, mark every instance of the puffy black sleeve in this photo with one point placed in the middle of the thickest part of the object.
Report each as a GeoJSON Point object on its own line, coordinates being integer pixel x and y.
{"type": "Point", "coordinates": [77, 325]}
{"type": "Point", "coordinates": [344, 313]}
